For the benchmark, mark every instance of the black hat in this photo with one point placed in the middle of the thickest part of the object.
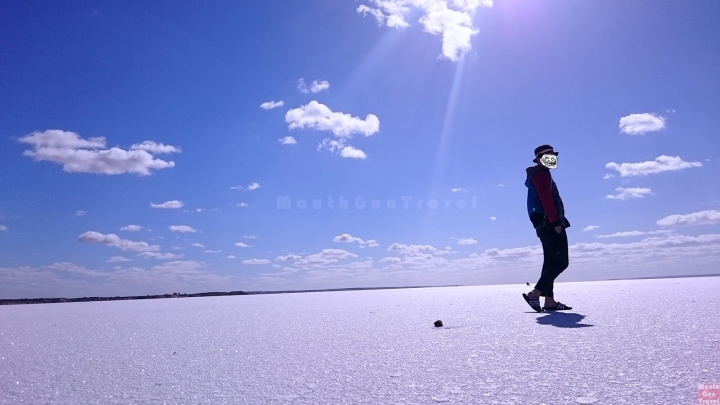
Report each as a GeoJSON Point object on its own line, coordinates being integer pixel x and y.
{"type": "Point", "coordinates": [543, 149]}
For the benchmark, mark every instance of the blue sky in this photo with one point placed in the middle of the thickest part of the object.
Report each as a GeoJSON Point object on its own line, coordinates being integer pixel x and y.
{"type": "Point", "coordinates": [169, 118]}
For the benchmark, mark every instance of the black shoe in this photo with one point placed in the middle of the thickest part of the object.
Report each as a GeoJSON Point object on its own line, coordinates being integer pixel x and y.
{"type": "Point", "coordinates": [559, 307]}
{"type": "Point", "coordinates": [534, 303]}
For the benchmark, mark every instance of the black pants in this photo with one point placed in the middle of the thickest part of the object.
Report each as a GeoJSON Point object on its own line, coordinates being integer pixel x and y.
{"type": "Point", "coordinates": [555, 251]}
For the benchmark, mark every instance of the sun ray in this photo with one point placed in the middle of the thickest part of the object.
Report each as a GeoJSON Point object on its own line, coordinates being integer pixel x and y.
{"type": "Point", "coordinates": [441, 155]}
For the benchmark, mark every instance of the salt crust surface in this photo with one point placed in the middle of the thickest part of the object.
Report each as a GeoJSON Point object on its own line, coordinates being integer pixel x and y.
{"type": "Point", "coordinates": [625, 342]}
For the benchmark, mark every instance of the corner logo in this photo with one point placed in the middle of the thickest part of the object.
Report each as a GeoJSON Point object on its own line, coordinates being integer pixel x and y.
{"type": "Point", "coordinates": [709, 394]}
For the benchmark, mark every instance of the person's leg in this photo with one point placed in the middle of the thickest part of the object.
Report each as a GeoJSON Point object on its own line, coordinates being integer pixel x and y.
{"type": "Point", "coordinates": [561, 260]}
{"type": "Point", "coordinates": [544, 285]}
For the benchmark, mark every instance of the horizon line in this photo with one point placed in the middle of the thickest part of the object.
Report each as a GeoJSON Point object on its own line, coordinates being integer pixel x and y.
{"type": "Point", "coordinates": [54, 300]}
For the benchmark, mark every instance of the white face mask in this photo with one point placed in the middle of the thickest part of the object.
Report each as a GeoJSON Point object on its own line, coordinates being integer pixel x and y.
{"type": "Point", "coordinates": [549, 161]}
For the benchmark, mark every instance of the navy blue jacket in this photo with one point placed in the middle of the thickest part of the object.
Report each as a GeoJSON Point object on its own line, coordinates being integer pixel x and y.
{"type": "Point", "coordinates": [545, 207]}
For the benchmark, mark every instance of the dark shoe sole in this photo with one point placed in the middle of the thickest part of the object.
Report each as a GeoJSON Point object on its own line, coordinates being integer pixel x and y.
{"type": "Point", "coordinates": [567, 308]}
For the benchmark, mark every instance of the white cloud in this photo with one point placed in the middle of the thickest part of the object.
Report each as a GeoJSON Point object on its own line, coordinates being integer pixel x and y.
{"type": "Point", "coordinates": [242, 245]}
{"type": "Point", "coordinates": [315, 87]}
{"type": "Point", "coordinates": [181, 228]}
{"type": "Point", "coordinates": [346, 151]}
{"type": "Point", "coordinates": [73, 268]}
{"type": "Point", "coordinates": [411, 249]}
{"type": "Point", "coordinates": [347, 238]}
{"type": "Point", "coordinates": [459, 190]}
{"type": "Point", "coordinates": [289, 258]}
{"type": "Point", "coordinates": [450, 19]}
{"type": "Point", "coordinates": [660, 164]}
{"type": "Point", "coordinates": [638, 124]}
{"type": "Point", "coordinates": [467, 241]}
{"type": "Point", "coordinates": [167, 277]}
{"type": "Point", "coordinates": [212, 251]}
{"type": "Point", "coordinates": [607, 176]}
{"type": "Point", "coordinates": [198, 210]}
{"type": "Point", "coordinates": [288, 140]}
{"type": "Point", "coordinates": [118, 259]}
{"type": "Point", "coordinates": [688, 255]}
{"type": "Point", "coordinates": [80, 213]}
{"type": "Point", "coordinates": [3, 228]}
{"type": "Point", "coordinates": [352, 153]}
{"type": "Point", "coordinates": [646, 245]}
{"type": "Point", "coordinates": [318, 116]}
{"type": "Point", "coordinates": [302, 86]}
{"type": "Point", "coordinates": [255, 261]}
{"type": "Point", "coordinates": [631, 233]}
{"type": "Point", "coordinates": [250, 187]}
{"type": "Point", "coordinates": [708, 217]}
{"type": "Point", "coordinates": [625, 193]}
{"type": "Point", "coordinates": [326, 256]}
{"type": "Point", "coordinates": [242, 205]}
{"type": "Point", "coordinates": [269, 105]}
{"type": "Point", "coordinates": [131, 228]}
{"type": "Point", "coordinates": [231, 257]}
{"type": "Point", "coordinates": [157, 148]}
{"type": "Point", "coordinates": [115, 241]}
{"type": "Point", "coordinates": [394, 17]}
{"type": "Point", "coordinates": [493, 218]}
{"type": "Point", "coordinates": [318, 86]}
{"type": "Point", "coordinates": [160, 256]}
{"type": "Point", "coordinates": [249, 237]}
{"type": "Point", "coordinates": [174, 204]}
{"type": "Point", "coordinates": [70, 280]}
{"type": "Point", "coordinates": [455, 27]}
{"type": "Point", "coordinates": [590, 227]}
{"type": "Point", "coordinates": [371, 243]}
{"type": "Point", "coordinates": [55, 138]}
{"type": "Point", "coordinates": [78, 155]}
{"type": "Point", "coordinates": [617, 259]}
{"type": "Point", "coordinates": [332, 145]}
{"type": "Point", "coordinates": [198, 245]}
{"type": "Point", "coordinates": [188, 267]}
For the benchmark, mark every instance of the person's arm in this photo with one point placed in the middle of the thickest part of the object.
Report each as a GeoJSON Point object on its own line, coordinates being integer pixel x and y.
{"type": "Point", "coordinates": [543, 184]}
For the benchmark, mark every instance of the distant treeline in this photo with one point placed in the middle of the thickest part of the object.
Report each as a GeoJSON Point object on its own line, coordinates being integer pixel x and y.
{"type": "Point", "coordinates": [178, 295]}
{"type": "Point", "coordinates": [134, 297]}
{"type": "Point", "coordinates": [340, 289]}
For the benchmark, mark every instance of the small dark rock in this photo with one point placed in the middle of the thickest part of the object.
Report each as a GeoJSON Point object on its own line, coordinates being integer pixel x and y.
{"type": "Point", "coordinates": [174, 352]}
{"type": "Point", "coordinates": [527, 283]}
{"type": "Point", "coordinates": [438, 324]}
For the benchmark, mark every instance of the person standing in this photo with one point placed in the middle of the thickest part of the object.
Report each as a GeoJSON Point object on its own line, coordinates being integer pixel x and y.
{"type": "Point", "coordinates": [547, 215]}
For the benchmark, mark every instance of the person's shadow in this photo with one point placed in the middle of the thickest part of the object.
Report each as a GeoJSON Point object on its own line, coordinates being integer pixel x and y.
{"type": "Point", "coordinates": [563, 320]}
